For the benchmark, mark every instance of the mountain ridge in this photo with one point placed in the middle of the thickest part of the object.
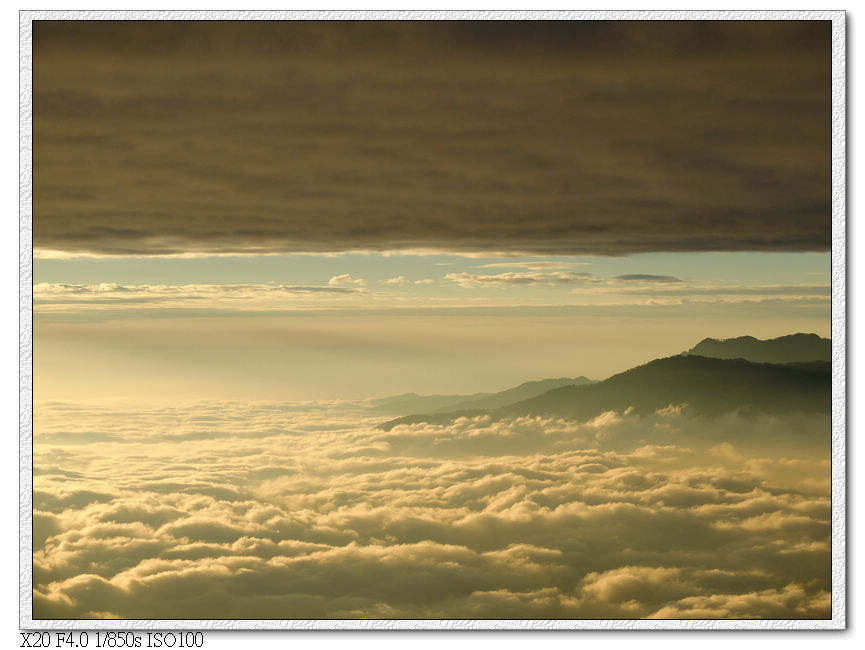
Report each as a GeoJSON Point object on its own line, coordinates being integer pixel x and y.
{"type": "Point", "coordinates": [408, 403]}
{"type": "Point", "coordinates": [709, 386]}
{"type": "Point", "coordinates": [526, 390]}
{"type": "Point", "coordinates": [790, 348]}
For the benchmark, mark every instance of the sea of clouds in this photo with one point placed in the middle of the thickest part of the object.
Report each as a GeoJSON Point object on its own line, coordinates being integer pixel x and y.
{"type": "Point", "coordinates": [297, 511]}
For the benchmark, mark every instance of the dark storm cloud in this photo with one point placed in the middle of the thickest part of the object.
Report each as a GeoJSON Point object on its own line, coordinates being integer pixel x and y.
{"type": "Point", "coordinates": [542, 137]}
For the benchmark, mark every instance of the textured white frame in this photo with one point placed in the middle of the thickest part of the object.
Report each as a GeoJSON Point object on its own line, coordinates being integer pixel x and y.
{"type": "Point", "coordinates": [839, 329]}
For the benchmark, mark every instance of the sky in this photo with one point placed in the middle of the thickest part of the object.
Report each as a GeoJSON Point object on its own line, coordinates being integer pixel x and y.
{"type": "Point", "coordinates": [360, 325]}
{"type": "Point", "coordinates": [245, 230]}
{"type": "Point", "coordinates": [338, 210]}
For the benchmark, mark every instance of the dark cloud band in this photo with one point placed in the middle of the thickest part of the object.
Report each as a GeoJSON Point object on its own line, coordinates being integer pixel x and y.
{"type": "Point", "coordinates": [538, 137]}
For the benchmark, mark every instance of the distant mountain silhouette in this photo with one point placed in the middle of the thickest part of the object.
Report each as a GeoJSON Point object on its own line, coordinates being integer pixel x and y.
{"type": "Point", "coordinates": [517, 394]}
{"type": "Point", "coordinates": [413, 403]}
{"type": "Point", "coordinates": [784, 349]}
{"type": "Point", "coordinates": [707, 385]}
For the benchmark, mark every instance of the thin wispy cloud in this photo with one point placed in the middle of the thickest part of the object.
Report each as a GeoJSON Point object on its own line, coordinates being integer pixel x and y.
{"type": "Point", "coordinates": [471, 280]}
{"type": "Point", "coordinates": [594, 290]}
{"type": "Point", "coordinates": [695, 289]}
{"type": "Point", "coordinates": [533, 265]}
{"type": "Point", "coordinates": [645, 277]}
{"type": "Point", "coordinates": [550, 278]}
{"type": "Point", "coordinates": [212, 296]}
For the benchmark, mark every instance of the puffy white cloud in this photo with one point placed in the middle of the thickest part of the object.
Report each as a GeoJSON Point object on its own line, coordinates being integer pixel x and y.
{"type": "Point", "coordinates": [251, 510]}
{"type": "Point", "coordinates": [346, 278]}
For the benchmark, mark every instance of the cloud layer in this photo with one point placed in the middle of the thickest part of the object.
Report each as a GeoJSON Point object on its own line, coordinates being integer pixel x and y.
{"type": "Point", "coordinates": [275, 510]}
{"type": "Point", "coordinates": [544, 137]}
{"type": "Point", "coordinates": [60, 297]}
{"type": "Point", "coordinates": [551, 278]}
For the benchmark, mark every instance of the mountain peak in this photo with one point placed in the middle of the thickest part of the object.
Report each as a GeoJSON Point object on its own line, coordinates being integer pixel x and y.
{"type": "Point", "coordinates": [790, 348]}
{"type": "Point", "coordinates": [709, 386]}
